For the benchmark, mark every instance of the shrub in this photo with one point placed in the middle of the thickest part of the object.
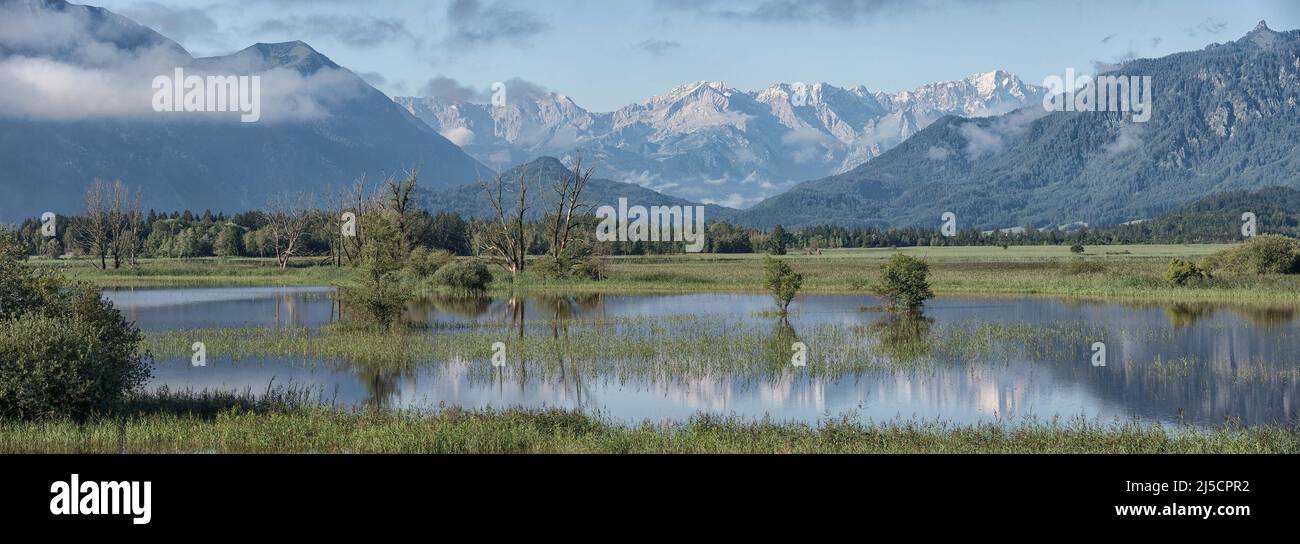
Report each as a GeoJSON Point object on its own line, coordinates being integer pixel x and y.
{"type": "Point", "coordinates": [782, 281]}
{"type": "Point", "coordinates": [593, 268]}
{"type": "Point", "coordinates": [1077, 249]}
{"type": "Point", "coordinates": [550, 268]}
{"type": "Point", "coordinates": [904, 281]}
{"type": "Point", "coordinates": [1181, 272]}
{"type": "Point", "coordinates": [1266, 254]}
{"type": "Point", "coordinates": [64, 350]}
{"type": "Point", "coordinates": [590, 267]}
{"type": "Point", "coordinates": [380, 304]}
{"type": "Point", "coordinates": [466, 275]}
{"type": "Point", "coordinates": [424, 263]}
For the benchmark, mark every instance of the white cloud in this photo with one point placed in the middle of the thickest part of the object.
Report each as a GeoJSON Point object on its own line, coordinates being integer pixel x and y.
{"type": "Point", "coordinates": [733, 200]}
{"type": "Point", "coordinates": [808, 144]}
{"type": "Point", "coordinates": [69, 66]}
{"type": "Point", "coordinates": [1128, 138]}
{"type": "Point", "coordinates": [984, 138]}
{"type": "Point", "coordinates": [461, 136]}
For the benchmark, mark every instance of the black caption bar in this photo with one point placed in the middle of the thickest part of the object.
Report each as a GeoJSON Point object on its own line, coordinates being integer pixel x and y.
{"type": "Point", "coordinates": [308, 494]}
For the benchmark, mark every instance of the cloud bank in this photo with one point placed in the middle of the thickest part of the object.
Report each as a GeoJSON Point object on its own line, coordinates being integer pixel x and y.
{"type": "Point", "coordinates": [77, 64]}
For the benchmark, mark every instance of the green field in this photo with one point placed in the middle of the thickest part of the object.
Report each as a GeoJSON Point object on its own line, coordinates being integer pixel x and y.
{"type": "Point", "coordinates": [1103, 272]}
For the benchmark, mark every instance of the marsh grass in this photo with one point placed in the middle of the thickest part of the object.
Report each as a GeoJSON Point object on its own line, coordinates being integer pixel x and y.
{"type": "Point", "coordinates": [222, 423]}
{"type": "Point", "coordinates": [683, 348]}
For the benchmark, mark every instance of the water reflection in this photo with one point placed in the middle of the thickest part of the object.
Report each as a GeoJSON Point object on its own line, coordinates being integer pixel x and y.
{"type": "Point", "coordinates": [1185, 314]}
{"type": "Point", "coordinates": [780, 344]}
{"type": "Point", "coordinates": [1198, 362]}
{"type": "Point", "coordinates": [224, 307]}
{"type": "Point", "coordinates": [904, 338]}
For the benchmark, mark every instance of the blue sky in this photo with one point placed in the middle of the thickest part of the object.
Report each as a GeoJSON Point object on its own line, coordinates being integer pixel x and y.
{"type": "Point", "coordinates": [606, 54]}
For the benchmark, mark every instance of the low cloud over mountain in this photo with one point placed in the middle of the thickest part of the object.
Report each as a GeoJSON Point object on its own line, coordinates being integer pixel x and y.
{"type": "Point", "coordinates": [76, 103]}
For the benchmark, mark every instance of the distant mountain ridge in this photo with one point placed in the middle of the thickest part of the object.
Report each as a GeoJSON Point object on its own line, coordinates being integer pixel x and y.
{"type": "Point", "coordinates": [711, 142]}
{"type": "Point", "coordinates": [1224, 118]}
{"type": "Point", "coordinates": [1218, 217]}
{"type": "Point", "coordinates": [541, 174]}
{"type": "Point", "coordinates": [321, 124]}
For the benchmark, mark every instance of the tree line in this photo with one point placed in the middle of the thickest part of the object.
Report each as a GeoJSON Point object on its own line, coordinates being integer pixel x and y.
{"type": "Point", "coordinates": [115, 230]}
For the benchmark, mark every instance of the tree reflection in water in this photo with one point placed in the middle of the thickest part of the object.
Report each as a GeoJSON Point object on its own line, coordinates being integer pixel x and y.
{"type": "Point", "coordinates": [904, 337]}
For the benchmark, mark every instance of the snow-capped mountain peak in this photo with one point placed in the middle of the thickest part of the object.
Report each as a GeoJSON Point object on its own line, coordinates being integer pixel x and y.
{"type": "Point", "coordinates": [697, 88]}
{"type": "Point", "coordinates": [711, 142]}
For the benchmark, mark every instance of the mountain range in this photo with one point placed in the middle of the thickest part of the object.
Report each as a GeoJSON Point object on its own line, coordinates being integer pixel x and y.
{"type": "Point", "coordinates": [1224, 118]}
{"type": "Point", "coordinates": [75, 105]}
{"type": "Point", "coordinates": [540, 175]}
{"type": "Point", "coordinates": [711, 142]}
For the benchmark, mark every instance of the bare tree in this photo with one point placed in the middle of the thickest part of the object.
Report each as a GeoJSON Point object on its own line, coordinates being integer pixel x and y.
{"type": "Point", "coordinates": [118, 196]}
{"type": "Point", "coordinates": [95, 232]}
{"type": "Point", "coordinates": [506, 240]}
{"type": "Point", "coordinates": [125, 223]}
{"type": "Point", "coordinates": [287, 218]}
{"type": "Point", "coordinates": [569, 189]}
{"type": "Point", "coordinates": [361, 204]}
{"type": "Point", "coordinates": [399, 198]}
{"type": "Point", "coordinates": [135, 230]}
{"type": "Point", "coordinates": [330, 229]}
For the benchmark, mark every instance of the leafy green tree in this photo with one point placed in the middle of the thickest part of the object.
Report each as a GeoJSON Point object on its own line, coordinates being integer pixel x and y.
{"type": "Point", "coordinates": [449, 232]}
{"type": "Point", "coordinates": [257, 243]}
{"type": "Point", "coordinates": [11, 247]}
{"type": "Point", "coordinates": [782, 281]}
{"type": "Point", "coordinates": [378, 290]}
{"type": "Point", "coordinates": [728, 238]}
{"type": "Point", "coordinates": [53, 248]}
{"type": "Point", "coordinates": [229, 242]}
{"type": "Point", "coordinates": [187, 244]}
{"type": "Point", "coordinates": [904, 282]}
{"type": "Point", "coordinates": [776, 244]}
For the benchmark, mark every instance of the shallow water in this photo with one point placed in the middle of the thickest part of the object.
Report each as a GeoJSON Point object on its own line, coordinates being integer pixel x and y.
{"type": "Point", "coordinates": [1244, 362]}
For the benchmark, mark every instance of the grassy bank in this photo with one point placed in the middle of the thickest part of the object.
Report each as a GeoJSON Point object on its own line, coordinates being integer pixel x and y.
{"type": "Point", "coordinates": [199, 272]}
{"type": "Point", "coordinates": [230, 424]}
{"type": "Point", "coordinates": [1105, 272]}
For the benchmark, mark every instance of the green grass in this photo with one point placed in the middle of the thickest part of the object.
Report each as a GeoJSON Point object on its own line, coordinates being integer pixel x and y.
{"type": "Point", "coordinates": [1134, 272]}
{"type": "Point", "coordinates": [200, 272]}
{"type": "Point", "coordinates": [188, 423]}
